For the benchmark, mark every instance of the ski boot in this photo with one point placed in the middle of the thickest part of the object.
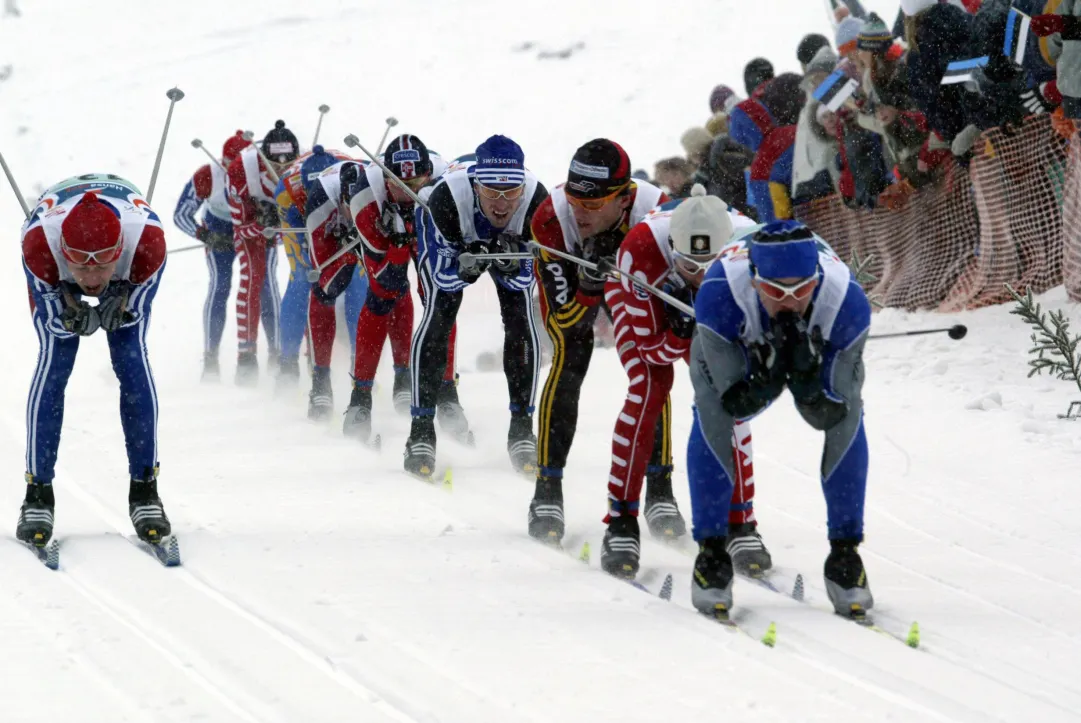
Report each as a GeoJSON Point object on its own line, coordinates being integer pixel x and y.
{"type": "Point", "coordinates": [146, 511]}
{"type": "Point", "coordinates": [546, 510]}
{"type": "Point", "coordinates": [35, 525]}
{"type": "Point", "coordinates": [358, 417]}
{"type": "Point", "coordinates": [621, 548]}
{"type": "Point", "coordinates": [662, 514]}
{"type": "Point", "coordinates": [247, 369]}
{"type": "Point", "coordinates": [211, 368]}
{"type": "Point", "coordinates": [749, 554]}
{"type": "Point", "coordinates": [522, 444]}
{"type": "Point", "coordinates": [451, 416]}
{"type": "Point", "coordinates": [846, 580]}
{"type": "Point", "coordinates": [288, 377]}
{"type": "Point", "coordinates": [420, 448]}
{"type": "Point", "coordinates": [403, 390]}
{"type": "Point", "coordinates": [711, 586]}
{"type": "Point", "coordinates": [273, 362]}
{"type": "Point", "coordinates": [321, 397]}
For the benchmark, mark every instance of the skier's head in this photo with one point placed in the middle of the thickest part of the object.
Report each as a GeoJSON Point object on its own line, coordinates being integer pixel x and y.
{"type": "Point", "coordinates": [598, 186]}
{"type": "Point", "coordinates": [319, 160]}
{"type": "Point", "coordinates": [784, 265]}
{"type": "Point", "coordinates": [407, 158]}
{"type": "Point", "coordinates": [91, 240]}
{"type": "Point", "coordinates": [233, 146]}
{"type": "Point", "coordinates": [499, 179]}
{"type": "Point", "coordinates": [280, 146]}
{"type": "Point", "coordinates": [699, 229]}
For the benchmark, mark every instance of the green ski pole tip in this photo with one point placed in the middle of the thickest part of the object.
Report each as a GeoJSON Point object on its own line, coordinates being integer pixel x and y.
{"type": "Point", "coordinates": [913, 639]}
{"type": "Point", "coordinates": [583, 556]}
{"type": "Point", "coordinates": [770, 638]}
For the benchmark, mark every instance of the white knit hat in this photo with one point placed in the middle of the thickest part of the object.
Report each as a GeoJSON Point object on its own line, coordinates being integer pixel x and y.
{"type": "Point", "coordinates": [914, 7]}
{"type": "Point", "coordinates": [700, 224]}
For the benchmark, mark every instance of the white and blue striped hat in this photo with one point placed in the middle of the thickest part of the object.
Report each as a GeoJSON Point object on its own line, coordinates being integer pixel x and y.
{"type": "Point", "coordinates": [500, 162]}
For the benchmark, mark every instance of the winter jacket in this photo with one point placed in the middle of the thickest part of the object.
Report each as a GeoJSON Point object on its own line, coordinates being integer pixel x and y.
{"type": "Point", "coordinates": [942, 36]}
{"type": "Point", "coordinates": [1069, 65]}
{"type": "Point", "coordinates": [725, 179]}
{"type": "Point", "coordinates": [814, 163]}
{"type": "Point", "coordinates": [771, 175]}
{"type": "Point", "coordinates": [748, 123]}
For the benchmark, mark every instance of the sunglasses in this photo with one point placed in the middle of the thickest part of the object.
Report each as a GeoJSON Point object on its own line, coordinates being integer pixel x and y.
{"type": "Point", "coordinates": [493, 194]}
{"type": "Point", "coordinates": [776, 291]}
{"type": "Point", "coordinates": [415, 184]}
{"type": "Point", "coordinates": [692, 264]}
{"type": "Point", "coordinates": [86, 258]}
{"type": "Point", "coordinates": [596, 204]}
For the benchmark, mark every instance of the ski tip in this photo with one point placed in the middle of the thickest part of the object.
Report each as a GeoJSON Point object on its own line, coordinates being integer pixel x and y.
{"type": "Point", "coordinates": [769, 639]}
{"type": "Point", "coordinates": [797, 588]}
{"type": "Point", "coordinates": [583, 554]}
{"type": "Point", "coordinates": [912, 640]}
{"type": "Point", "coordinates": [448, 480]}
{"type": "Point", "coordinates": [666, 589]}
{"type": "Point", "coordinates": [377, 443]}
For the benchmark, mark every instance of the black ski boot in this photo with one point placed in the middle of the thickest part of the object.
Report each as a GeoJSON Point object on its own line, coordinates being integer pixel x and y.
{"type": "Point", "coordinates": [321, 397]}
{"type": "Point", "coordinates": [358, 417]}
{"type": "Point", "coordinates": [211, 368]}
{"type": "Point", "coordinates": [288, 377]}
{"type": "Point", "coordinates": [420, 448]}
{"type": "Point", "coordinates": [621, 548]}
{"type": "Point", "coordinates": [247, 369]}
{"type": "Point", "coordinates": [403, 390]}
{"type": "Point", "coordinates": [146, 511]}
{"type": "Point", "coordinates": [522, 444]}
{"type": "Point", "coordinates": [451, 416]}
{"type": "Point", "coordinates": [749, 554]}
{"type": "Point", "coordinates": [711, 586]}
{"type": "Point", "coordinates": [662, 514]}
{"type": "Point", "coordinates": [546, 511]}
{"type": "Point", "coordinates": [35, 525]}
{"type": "Point", "coordinates": [846, 580]}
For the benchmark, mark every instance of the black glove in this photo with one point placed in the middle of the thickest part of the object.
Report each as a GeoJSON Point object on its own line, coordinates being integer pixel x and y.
{"type": "Point", "coordinates": [801, 354]}
{"type": "Point", "coordinates": [202, 233]}
{"type": "Point", "coordinates": [82, 319]}
{"type": "Point", "coordinates": [112, 306]}
{"type": "Point", "coordinates": [591, 283]}
{"type": "Point", "coordinates": [345, 233]}
{"type": "Point", "coordinates": [218, 241]}
{"type": "Point", "coordinates": [508, 243]}
{"type": "Point", "coordinates": [680, 322]}
{"type": "Point", "coordinates": [765, 382]}
{"type": "Point", "coordinates": [602, 245]}
{"type": "Point", "coordinates": [394, 226]}
{"type": "Point", "coordinates": [266, 214]}
{"type": "Point", "coordinates": [473, 269]}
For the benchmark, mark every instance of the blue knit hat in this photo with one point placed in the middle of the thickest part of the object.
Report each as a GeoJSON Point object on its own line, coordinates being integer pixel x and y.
{"type": "Point", "coordinates": [500, 162]}
{"type": "Point", "coordinates": [314, 165]}
{"type": "Point", "coordinates": [784, 250]}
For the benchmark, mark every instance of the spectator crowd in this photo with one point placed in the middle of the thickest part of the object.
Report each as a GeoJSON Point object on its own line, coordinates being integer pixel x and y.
{"type": "Point", "coordinates": [881, 111]}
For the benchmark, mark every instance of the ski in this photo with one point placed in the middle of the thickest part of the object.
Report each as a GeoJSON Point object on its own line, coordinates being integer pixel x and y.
{"type": "Point", "coordinates": [167, 552]}
{"type": "Point", "coordinates": [447, 478]}
{"type": "Point", "coordinates": [663, 593]}
{"type": "Point", "coordinates": [49, 554]}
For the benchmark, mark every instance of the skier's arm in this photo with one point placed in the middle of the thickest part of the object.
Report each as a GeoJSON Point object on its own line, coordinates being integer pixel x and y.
{"type": "Point", "coordinates": [43, 283]}
{"type": "Point", "coordinates": [439, 239]}
{"type": "Point", "coordinates": [146, 267]}
{"type": "Point", "coordinates": [186, 210]}
{"type": "Point", "coordinates": [523, 279]}
{"type": "Point", "coordinates": [557, 278]}
{"type": "Point", "coordinates": [716, 365]}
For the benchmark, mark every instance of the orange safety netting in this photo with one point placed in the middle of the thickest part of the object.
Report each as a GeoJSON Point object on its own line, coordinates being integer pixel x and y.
{"type": "Point", "coordinates": [955, 244]}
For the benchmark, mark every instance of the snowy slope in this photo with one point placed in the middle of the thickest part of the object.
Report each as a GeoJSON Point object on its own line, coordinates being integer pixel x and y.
{"type": "Point", "coordinates": [320, 583]}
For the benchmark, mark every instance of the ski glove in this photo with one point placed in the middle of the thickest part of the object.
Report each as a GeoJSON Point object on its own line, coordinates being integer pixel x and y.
{"type": "Point", "coordinates": [471, 268]}
{"type": "Point", "coordinates": [112, 308]}
{"type": "Point", "coordinates": [393, 226]}
{"type": "Point", "coordinates": [81, 319]}
{"type": "Point", "coordinates": [590, 282]}
{"type": "Point", "coordinates": [266, 214]}
{"type": "Point", "coordinates": [1069, 26]}
{"type": "Point", "coordinates": [602, 245]}
{"type": "Point", "coordinates": [802, 360]}
{"type": "Point", "coordinates": [765, 381]}
{"type": "Point", "coordinates": [505, 244]}
{"type": "Point", "coordinates": [680, 322]}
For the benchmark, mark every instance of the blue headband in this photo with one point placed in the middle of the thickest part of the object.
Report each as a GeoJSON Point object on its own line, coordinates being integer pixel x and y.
{"type": "Point", "coordinates": [796, 259]}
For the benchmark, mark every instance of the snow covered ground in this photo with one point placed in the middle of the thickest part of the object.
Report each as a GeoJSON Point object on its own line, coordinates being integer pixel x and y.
{"type": "Point", "coordinates": [321, 583]}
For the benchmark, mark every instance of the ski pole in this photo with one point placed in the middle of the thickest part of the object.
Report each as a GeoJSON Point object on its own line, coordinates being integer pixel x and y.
{"type": "Point", "coordinates": [174, 95]}
{"type": "Point", "coordinates": [272, 232]}
{"type": "Point", "coordinates": [957, 331]}
{"type": "Point", "coordinates": [391, 122]}
{"type": "Point", "coordinates": [196, 143]}
{"type": "Point", "coordinates": [186, 248]}
{"type": "Point", "coordinates": [314, 274]}
{"type": "Point", "coordinates": [15, 187]}
{"type": "Point", "coordinates": [250, 137]}
{"type": "Point", "coordinates": [606, 268]}
{"type": "Point", "coordinates": [353, 142]}
{"type": "Point", "coordinates": [323, 110]}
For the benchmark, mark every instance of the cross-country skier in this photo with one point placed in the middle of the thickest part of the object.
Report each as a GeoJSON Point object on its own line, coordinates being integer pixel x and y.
{"type": "Point", "coordinates": [384, 216]}
{"type": "Point", "coordinates": [254, 208]}
{"type": "Point", "coordinates": [208, 191]}
{"type": "Point", "coordinates": [588, 216]}
{"type": "Point", "coordinates": [668, 249]}
{"type": "Point", "coordinates": [92, 237]}
{"type": "Point", "coordinates": [292, 197]}
{"type": "Point", "coordinates": [485, 208]}
{"type": "Point", "coordinates": [779, 310]}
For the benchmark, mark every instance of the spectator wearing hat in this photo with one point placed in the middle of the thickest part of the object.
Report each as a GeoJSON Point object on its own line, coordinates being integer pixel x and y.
{"type": "Point", "coordinates": [771, 171]}
{"type": "Point", "coordinates": [808, 47]}
{"type": "Point", "coordinates": [696, 142]}
{"type": "Point", "coordinates": [676, 175]}
{"type": "Point", "coordinates": [756, 73]}
{"type": "Point", "coordinates": [722, 99]}
{"type": "Point", "coordinates": [814, 165]}
{"type": "Point", "coordinates": [846, 37]}
{"type": "Point", "coordinates": [937, 34]}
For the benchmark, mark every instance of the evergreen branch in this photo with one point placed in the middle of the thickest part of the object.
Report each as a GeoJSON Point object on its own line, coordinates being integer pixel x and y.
{"type": "Point", "coordinates": [1054, 348]}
